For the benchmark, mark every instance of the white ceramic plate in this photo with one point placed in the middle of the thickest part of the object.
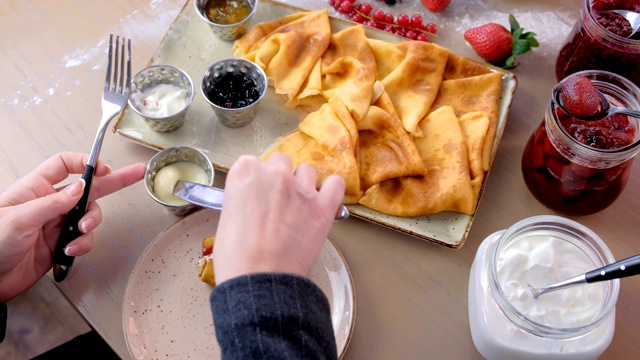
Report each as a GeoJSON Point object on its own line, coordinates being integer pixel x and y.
{"type": "Point", "coordinates": [190, 45]}
{"type": "Point", "coordinates": [167, 314]}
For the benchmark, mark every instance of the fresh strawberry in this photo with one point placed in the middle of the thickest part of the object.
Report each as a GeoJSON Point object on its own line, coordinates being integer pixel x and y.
{"type": "Point", "coordinates": [499, 46]}
{"type": "Point", "coordinates": [579, 96]}
{"type": "Point", "coordinates": [435, 5]}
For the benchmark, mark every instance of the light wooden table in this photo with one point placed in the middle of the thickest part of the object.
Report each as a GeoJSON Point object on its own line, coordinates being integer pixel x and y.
{"type": "Point", "coordinates": [411, 295]}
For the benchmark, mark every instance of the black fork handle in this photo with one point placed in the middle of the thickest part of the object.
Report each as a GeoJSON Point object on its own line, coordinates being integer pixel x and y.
{"type": "Point", "coordinates": [61, 262]}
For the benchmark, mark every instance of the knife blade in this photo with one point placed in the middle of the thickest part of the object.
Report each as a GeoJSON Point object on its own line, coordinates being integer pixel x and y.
{"type": "Point", "coordinates": [212, 197]}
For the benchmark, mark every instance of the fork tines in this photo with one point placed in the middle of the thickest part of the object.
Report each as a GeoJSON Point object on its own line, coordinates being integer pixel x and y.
{"type": "Point", "coordinates": [117, 63]}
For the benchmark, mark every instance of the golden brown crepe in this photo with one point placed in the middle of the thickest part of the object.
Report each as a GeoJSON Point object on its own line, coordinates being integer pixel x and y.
{"type": "Point", "coordinates": [474, 128]}
{"type": "Point", "coordinates": [205, 266]}
{"type": "Point", "coordinates": [386, 150]}
{"type": "Point", "coordinates": [477, 93]}
{"type": "Point", "coordinates": [460, 67]}
{"type": "Point", "coordinates": [447, 184]}
{"type": "Point", "coordinates": [411, 73]}
{"type": "Point", "coordinates": [327, 140]}
{"type": "Point", "coordinates": [349, 70]}
{"type": "Point", "coordinates": [287, 49]}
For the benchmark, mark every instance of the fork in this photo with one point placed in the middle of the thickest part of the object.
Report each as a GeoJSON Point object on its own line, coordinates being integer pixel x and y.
{"type": "Point", "coordinates": [114, 99]}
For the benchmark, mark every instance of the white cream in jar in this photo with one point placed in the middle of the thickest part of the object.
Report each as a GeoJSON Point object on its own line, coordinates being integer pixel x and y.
{"type": "Point", "coordinates": [167, 178]}
{"type": "Point", "coordinates": [161, 100]}
{"type": "Point", "coordinates": [507, 323]}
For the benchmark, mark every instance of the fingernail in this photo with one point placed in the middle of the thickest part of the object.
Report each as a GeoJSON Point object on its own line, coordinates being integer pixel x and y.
{"type": "Point", "coordinates": [108, 168]}
{"type": "Point", "coordinates": [70, 250]}
{"type": "Point", "coordinates": [76, 187]}
{"type": "Point", "coordinates": [85, 225]}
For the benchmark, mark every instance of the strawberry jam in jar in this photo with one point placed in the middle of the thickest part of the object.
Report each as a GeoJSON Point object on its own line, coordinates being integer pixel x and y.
{"type": "Point", "coordinates": [579, 167]}
{"type": "Point", "coordinates": [600, 40]}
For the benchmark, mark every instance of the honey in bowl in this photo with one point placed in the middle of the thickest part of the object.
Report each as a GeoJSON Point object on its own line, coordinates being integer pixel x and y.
{"type": "Point", "coordinates": [227, 11]}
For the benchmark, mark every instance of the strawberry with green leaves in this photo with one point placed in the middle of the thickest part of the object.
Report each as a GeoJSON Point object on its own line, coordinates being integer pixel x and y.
{"type": "Point", "coordinates": [499, 46]}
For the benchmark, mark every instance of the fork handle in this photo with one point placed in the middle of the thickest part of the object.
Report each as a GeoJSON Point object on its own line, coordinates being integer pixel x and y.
{"type": "Point", "coordinates": [62, 262]}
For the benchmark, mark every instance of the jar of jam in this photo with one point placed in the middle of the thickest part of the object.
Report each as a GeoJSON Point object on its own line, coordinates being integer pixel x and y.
{"type": "Point", "coordinates": [580, 167]}
{"type": "Point", "coordinates": [599, 41]}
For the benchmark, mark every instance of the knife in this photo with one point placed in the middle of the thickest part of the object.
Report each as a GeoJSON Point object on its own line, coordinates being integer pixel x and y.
{"type": "Point", "coordinates": [212, 197]}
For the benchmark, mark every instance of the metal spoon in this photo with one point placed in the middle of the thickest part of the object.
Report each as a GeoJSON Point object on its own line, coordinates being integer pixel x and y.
{"type": "Point", "coordinates": [606, 109]}
{"type": "Point", "coordinates": [617, 270]}
{"type": "Point", "coordinates": [632, 17]}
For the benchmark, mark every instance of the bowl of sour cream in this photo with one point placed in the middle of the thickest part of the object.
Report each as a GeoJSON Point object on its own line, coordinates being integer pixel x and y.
{"type": "Point", "coordinates": [508, 322]}
{"type": "Point", "coordinates": [161, 95]}
{"type": "Point", "coordinates": [167, 167]}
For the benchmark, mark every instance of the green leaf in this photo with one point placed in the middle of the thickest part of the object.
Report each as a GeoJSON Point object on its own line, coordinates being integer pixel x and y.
{"type": "Point", "coordinates": [513, 23]}
{"type": "Point", "coordinates": [520, 47]}
{"type": "Point", "coordinates": [510, 63]}
{"type": "Point", "coordinates": [517, 34]}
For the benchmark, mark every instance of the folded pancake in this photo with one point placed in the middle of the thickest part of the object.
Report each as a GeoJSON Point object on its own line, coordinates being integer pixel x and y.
{"type": "Point", "coordinates": [474, 128]}
{"type": "Point", "coordinates": [411, 73]}
{"type": "Point", "coordinates": [459, 67]}
{"type": "Point", "coordinates": [386, 150]}
{"type": "Point", "coordinates": [287, 49]}
{"type": "Point", "coordinates": [476, 93]}
{"type": "Point", "coordinates": [205, 265]}
{"type": "Point", "coordinates": [327, 140]}
{"type": "Point", "coordinates": [447, 183]}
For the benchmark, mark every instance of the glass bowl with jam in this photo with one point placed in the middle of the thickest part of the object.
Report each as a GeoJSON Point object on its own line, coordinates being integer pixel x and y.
{"type": "Point", "coordinates": [601, 40]}
{"type": "Point", "coordinates": [580, 167]}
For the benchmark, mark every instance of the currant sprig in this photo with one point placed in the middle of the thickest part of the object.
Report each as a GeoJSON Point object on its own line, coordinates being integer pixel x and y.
{"type": "Point", "coordinates": [412, 28]}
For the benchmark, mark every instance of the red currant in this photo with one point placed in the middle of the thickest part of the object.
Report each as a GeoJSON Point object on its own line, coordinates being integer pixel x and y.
{"type": "Point", "coordinates": [423, 37]}
{"type": "Point", "coordinates": [403, 20]}
{"type": "Point", "coordinates": [355, 17]}
{"type": "Point", "coordinates": [411, 35]}
{"type": "Point", "coordinates": [346, 7]}
{"type": "Point", "coordinates": [379, 15]}
{"type": "Point", "coordinates": [432, 28]}
{"type": "Point", "coordinates": [416, 21]}
{"type": "Point", "coordinates": [365, 9]}
{"type": "Point", "coordinates": [389, 19]}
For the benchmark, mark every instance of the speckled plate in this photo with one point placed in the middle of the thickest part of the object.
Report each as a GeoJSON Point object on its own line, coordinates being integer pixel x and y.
{"type": "Point", "coordinates": [191, 46]}
{"type": "Point", "coordinates": [166, 311]}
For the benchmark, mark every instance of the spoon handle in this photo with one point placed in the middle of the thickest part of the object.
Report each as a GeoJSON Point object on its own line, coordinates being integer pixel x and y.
{"type": "Point", "coordinates": [625, 111]}
{"type": "Point", "coordinates": [619, 269]}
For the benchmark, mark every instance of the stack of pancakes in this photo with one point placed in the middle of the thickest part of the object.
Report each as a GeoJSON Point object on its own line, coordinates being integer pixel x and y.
{"type": "Point", "coordinates": [408, 126]}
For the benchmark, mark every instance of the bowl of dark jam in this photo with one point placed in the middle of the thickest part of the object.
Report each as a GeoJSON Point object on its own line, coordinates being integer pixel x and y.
{"type": "Point", "coordinates": [580, 167]}
{"type": "Point", "coordinates": [234, 88]}
{"type": "Point", "coordinates": [600, 40]}
{"type": "Point", "coordinates": [228, 19]}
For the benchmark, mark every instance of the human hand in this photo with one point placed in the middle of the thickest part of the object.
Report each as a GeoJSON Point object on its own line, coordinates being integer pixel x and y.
{"type": "Point", "coordinates": [273, 220]}
{"type": "Point", "coordinates": [32, 212]}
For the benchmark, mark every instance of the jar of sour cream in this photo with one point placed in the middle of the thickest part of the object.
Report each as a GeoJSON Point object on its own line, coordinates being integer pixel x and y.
{"type": "Point", "coordinates": [508, 323]}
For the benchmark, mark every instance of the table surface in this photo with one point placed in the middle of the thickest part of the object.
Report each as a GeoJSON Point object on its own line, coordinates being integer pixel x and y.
{"type": "Point", "coordinates": [411, 295]}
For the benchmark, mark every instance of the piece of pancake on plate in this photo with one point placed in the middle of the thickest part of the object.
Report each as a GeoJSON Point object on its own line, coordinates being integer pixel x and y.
{"type": "Point", "coordinates": [472, 94]}
{"type": "Point", "coordinates": [205, 264]}
{"type": "Point", "coordinates": [447, 184]}
{"type": "Point", "coordinates": [287, 49]}
{"type": "Point", "coordinates": [411, 72]}
{"type": "Point", "coordinates": [347, 70]}
{"type": "Point", "coordinates": [326, 139]}
{"type": "Point", "coordinates": [386, 149]}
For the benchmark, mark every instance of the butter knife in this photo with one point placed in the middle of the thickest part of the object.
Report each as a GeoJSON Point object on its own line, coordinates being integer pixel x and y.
{"type": "Point", "coordinates": [212, 197]}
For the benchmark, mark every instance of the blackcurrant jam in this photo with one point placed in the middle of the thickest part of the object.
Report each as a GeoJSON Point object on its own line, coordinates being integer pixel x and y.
{"type": "Point", "coordinates": [233, 91]}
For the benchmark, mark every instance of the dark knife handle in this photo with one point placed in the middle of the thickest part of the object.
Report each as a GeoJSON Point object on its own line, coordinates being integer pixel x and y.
{"type": "Point", "coordinates": [62, 262]}
{"type": "Point", "coordinates": [617, 270]}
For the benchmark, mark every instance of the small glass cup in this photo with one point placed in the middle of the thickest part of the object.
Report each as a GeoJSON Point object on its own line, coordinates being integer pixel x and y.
{"type": "Point", "coordinates": [226, 32]}
{"type": "Point", "coordinates": [573, 178]}
{"type": "Point", "coordinates": [234, 117]}
{"type": "Point", "coordinates": [161, 95]}
{"type": "Point", "coordinates": [591, 46]}
{"type": "Point", "coordinates": [169, 156]}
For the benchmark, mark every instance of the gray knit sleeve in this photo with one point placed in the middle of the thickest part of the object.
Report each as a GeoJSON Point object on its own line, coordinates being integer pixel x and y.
{"type": "Point", "coordinates": [272, 316]}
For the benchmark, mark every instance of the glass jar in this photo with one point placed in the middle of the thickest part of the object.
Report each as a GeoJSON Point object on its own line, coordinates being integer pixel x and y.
{"type": "Point", "coordinates": [570, 177]}
{"type": "Point", "coordinates": [573, 323]}
{"type": "Point", "coordinates": [591, 45]}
